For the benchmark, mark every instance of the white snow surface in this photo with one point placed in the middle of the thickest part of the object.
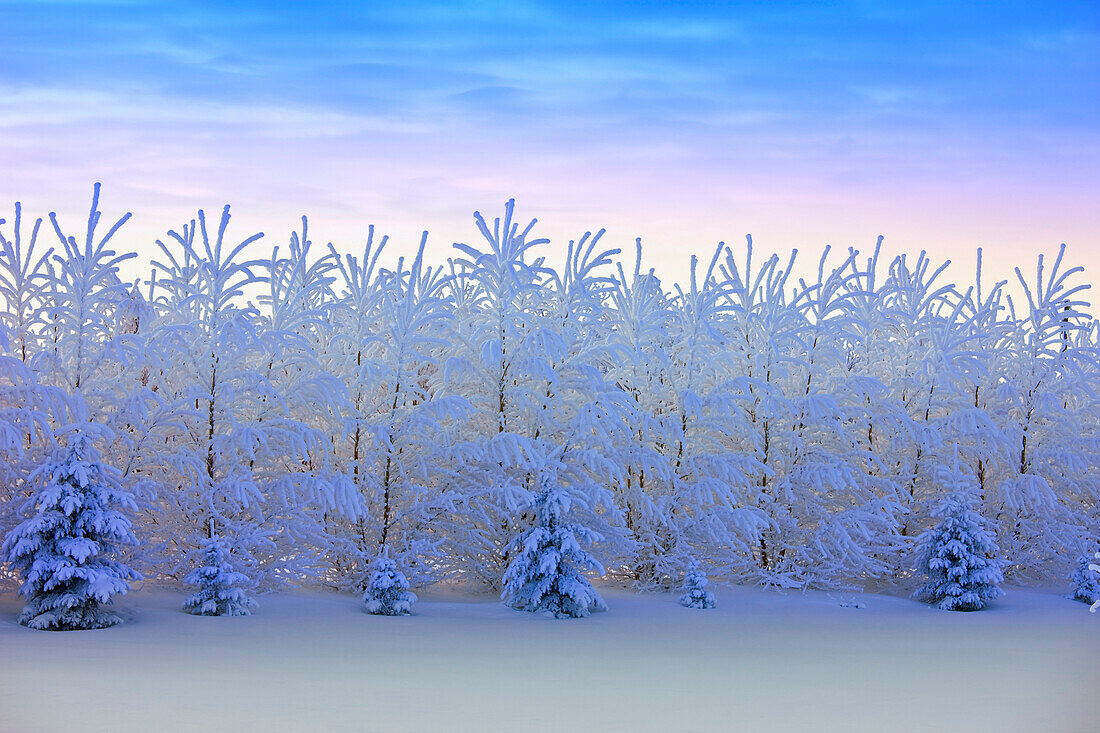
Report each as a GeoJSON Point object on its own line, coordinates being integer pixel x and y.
{"type": "Point", "coordinates": [761, 661]}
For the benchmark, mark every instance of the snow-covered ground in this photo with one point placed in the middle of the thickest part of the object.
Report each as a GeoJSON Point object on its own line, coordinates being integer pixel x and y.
{"type": "Point", "coordinates": [760, 662]}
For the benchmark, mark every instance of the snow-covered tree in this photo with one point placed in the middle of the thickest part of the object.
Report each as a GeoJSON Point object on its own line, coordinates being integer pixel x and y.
{"type": "Point", "coordinates": [402, 450]}
{"type": "Point", "coordinates": [1085, 581]}
{"type": "Point", "coordinates": [495, 289]}
{"type": "Point", "coordinates": [220, 587]}
{"type": "Point", "coordinates": [200, 289]}
{"type": "Point", "coordinates": [65, 550]}
{"type": "Point", "coordinates": [27, 411]}
{"type": "Point", "coordinates": [959, 556]}
{"type": "Point", "coordinates": [518, 354]}
{"type": "Point", "coordinates": [831, 512]}
{"type": "Point", "coordinates": [548, 561]}
{"type": "Point", "coordinates": [295, 406]}
{"type": "Point", "coordinates": [1096, 569]}
{"type": "Point", "coordinates": [694, 592]}
{"type": "Point", "coordinates": [85, 292]}
{"type": "Point", "coordinates": [387, 592]}
{"type": "Point", "coordinates": [1047, 409]}
{"type": "Point", "coordinates": [24, 276]}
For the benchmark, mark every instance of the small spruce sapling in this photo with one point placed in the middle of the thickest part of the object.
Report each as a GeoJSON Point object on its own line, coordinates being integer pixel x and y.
{"type": "Point", "coordinates": [219, 585]}
{"type": "Point", "coordinates": [64, 552]}
{"type": "Point", "coordinates": [695, 592]}
{"type": "Point", "coordinates": [959, 555]}
{"type": "Point", "coordinates": [1096, 569]}
{"type": "Point", "coordinates": [546, 570]}
{"type": "Point", "coordinates": [1085, 581]}
{"type": "Point", "coordinates": [387, 592]}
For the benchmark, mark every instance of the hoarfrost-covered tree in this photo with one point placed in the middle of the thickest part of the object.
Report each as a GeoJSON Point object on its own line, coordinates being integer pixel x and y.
{"type": "Point", "coordinates": [27, 413]}
{"type": "Point", "coordinates": [26, 406]}
{"type": "Point", "coordinates": [694, 592]}
{"type": "Point", "coordinates": [406, 450]}
{"type": "Point", "coordinates": [296, 406]}
{"type": "Point", "coordinates": [959, 557]}
{"type": "Point", "coordinates": [200, 288]}
{"type": "Point", "coordinates": [84, 293]}
{"type": "Point", "coordinates": [387, 592]}
{"type": "Point", "coordinates": [681, 483]}
{"type": "Point", "coordinates": [1049, 395]}
{"type": "Point", "coordinates": [494, 289]}
{"type": "Point", "coordinates": [24, 277]}
{"type": "Point", "coordinates": [220, 591]}
{"type": "Point", "coordinates": [833, 515]}
{"type": "Point", "coordinates": [531, 397]}
{"type": "Point", "coordinates": [89, 349]}
{"type": "Point", "coordinates": [64, 551]}
{"type": "Point", "coordinates": [548, 561]}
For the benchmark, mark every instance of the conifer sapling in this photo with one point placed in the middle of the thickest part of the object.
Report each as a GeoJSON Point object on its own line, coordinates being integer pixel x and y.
{"type": "Point", "coordinates": [959, 555]}
{"type": "Point", "coordinates": [387, 592]}
{"type": "Point", "coordinates": [546, 570]}
{"type": "Point", "coordinates": [694, 590]}
{"type": "Point", "coordinates": [219, 585]}
{"type": "Point", "coordinates": [64, 552]}
{"type": "Point", "coordinates": [1085, 581]}
{"type": "Point", "coordinates": [1096, 569]}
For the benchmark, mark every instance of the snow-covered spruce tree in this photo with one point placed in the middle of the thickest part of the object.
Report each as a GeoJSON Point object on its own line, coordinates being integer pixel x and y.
{"type": "Point", "coordinates": [694, 592]}
{"type": "Point", "coordinates": [64, 552]}
{"type": "Point", "coordinates": [1094, 567]}
{"type": "Point", "coordinates": [220, 587]}
{"type": "Point", "coordinates": [959, 557]}
{"type": "Point", "coordinates": [546, 570]}
{"type": "Point", "coordinates": [387, 592]}
{"type": "Point", "coordinates": [1085, 581]}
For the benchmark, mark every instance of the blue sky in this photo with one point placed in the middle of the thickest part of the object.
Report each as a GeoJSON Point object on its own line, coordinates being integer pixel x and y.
{"type": "Point", "coordinates": [941, 125]}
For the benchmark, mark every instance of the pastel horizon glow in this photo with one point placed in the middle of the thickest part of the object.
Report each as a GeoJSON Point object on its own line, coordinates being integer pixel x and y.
{"type": "Point", "coordinates": [944, 127]}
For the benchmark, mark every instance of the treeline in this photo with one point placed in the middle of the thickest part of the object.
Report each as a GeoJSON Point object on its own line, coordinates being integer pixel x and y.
{"type": "Point", "coordinates": [313, 408]}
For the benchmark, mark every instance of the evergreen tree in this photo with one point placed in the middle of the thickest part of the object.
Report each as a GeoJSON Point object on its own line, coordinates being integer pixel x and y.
{"type": "Point", "coordinates": [1095, 569]}
{"type": "Point", "coordinates": [1086, 585]}
{"type": "Point", "coordinates": [545, 573]}
{"type": "Point", "coordinates": [694, 590]}
{"type": "Point", "coordinates": [958, 556]}
{"type": "Point", "coordinates": [387, 592]}
{"type": "Point", "coordinates": [219, 592]}
{"type": "Point", "coordinates": [64, 552]}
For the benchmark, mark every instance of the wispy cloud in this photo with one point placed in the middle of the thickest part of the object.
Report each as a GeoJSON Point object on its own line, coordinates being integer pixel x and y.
{"type": "Point", "coordinates": [841, 113]}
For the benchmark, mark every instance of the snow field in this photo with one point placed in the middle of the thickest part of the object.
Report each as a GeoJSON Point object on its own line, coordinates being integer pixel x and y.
{"type": "Point", "coordinates": [761, 661]}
